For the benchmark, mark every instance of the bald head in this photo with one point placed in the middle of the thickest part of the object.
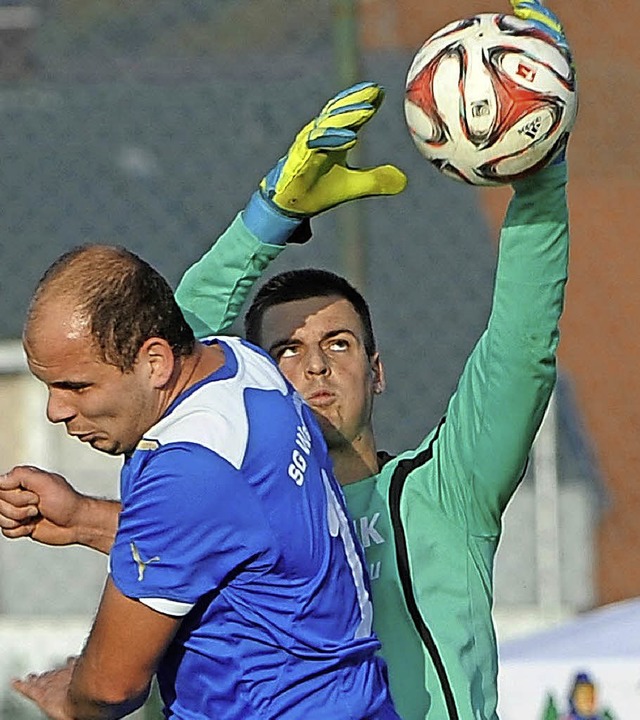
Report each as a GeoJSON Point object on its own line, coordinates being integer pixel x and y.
{"type": "Point", "coordinates": [113, 295]}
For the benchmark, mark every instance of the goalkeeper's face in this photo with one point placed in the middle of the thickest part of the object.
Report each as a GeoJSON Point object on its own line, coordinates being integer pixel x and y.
{"type": "Point", "coordinates": [319, 344]}
{"type": "Point", "coordinates": [98, 403]}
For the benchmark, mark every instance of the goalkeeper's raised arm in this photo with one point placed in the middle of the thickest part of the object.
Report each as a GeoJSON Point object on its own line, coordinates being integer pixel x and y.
{"type": "Point", "coordinates": [313, 176]}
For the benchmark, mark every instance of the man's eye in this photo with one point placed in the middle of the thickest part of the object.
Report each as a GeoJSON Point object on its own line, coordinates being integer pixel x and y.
{"type": "Point", "coordinates": [339, 344]}
{"type": "Point", "coordinates": [287, 353]}
{"type": "Point", "coordinates": [74, 387]}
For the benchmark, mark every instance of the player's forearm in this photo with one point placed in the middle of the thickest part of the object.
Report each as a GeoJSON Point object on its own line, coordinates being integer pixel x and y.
{"type": "Point", "coordinates": [96, 522]}
{"type": "Point", "coordinates": [530, 278]}
{"type": "Point", "coordinates": [127, 641]}
{"type": "Point", "coordinates": [534, 242]}
{"type": "Point", "coordinates": [82, 706]}
{"type": "Point", "coordinates": [508, 380]}
{"type": "Point", "coordinates": [522, 336]}
{"type": "Point", "coordinates": [94, 695]}
{"type": "Point", "coordinates": [75, 691]}
{"type": "Point", "coordinates": [212, 292]}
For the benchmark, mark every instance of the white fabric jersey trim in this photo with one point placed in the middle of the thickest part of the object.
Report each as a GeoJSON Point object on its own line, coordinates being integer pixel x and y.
{"type": "Point", "coordinates": [215, 415]}
{"type": "Point", "coordinates": [167, 607]}
{"type": "Point", "coordinates": [162, 605]}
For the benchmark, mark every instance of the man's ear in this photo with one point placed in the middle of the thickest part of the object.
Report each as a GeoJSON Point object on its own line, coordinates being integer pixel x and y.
{"type": "Point", "coordinates": [157, 359]}
{"type": "Point", "coordinates": [377, 368]}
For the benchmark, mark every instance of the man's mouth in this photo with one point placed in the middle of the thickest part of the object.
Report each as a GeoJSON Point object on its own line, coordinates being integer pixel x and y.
{"type": "Point", "coordinates": [83, 437]}
{"type": "Point", "coordinates": [321, 398]}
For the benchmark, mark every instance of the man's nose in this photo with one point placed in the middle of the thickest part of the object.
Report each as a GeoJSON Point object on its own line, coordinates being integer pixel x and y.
{"type": "Point", "coordinates": [59, 409]}
{"type": "Point", "coordinates": [317, 363]}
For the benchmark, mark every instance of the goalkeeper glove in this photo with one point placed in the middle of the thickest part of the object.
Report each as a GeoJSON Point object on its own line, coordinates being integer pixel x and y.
{"type": "Point", "coordinates": [540, 16]}
{"type": "Point", "coordinates": [547, 22]}
{"type": "Point", "coordinates": [314, 175]}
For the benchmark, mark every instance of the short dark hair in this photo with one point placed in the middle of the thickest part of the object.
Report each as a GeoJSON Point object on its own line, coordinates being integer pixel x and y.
{"type": "Point", "coordinates": [124, 299]}
{"type": "Point", "coordinates": [302, 285]}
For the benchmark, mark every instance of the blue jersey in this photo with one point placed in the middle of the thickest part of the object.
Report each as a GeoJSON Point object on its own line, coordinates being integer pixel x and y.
{"type": "Point", "coordinates": [232, 519]}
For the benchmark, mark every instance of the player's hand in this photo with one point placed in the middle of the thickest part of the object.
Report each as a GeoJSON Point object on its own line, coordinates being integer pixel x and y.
{"type": "Point", "coordinates": [535, 12]}
{"type": "Point", "coordinates": [546, 21]}
{"type": "Point", "coordinates": [40, 505]}
{"type": "Point", "coordinates": [49, 690]}
{"type": "Point", "coordinates": [314, 175]}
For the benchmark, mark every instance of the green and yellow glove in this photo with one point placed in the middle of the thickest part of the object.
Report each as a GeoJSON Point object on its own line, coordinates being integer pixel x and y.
{"type": "Point", "coordinates": [535, 12]}
{"type": "Point", "coordinates": [314, 175]}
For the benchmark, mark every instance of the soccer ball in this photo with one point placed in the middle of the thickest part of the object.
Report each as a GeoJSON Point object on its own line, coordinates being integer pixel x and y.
{"type": "Point", "coordinates": [490, 99]}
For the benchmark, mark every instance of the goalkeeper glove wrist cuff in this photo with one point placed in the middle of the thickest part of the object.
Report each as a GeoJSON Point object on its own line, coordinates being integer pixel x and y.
{"type": "Point", "coordinates": [266, 223]}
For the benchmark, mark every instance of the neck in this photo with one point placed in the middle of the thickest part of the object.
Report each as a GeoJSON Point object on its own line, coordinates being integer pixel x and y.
{"type": "Point", "coordinates": [356, 460]}
{"type": "Point", "coordinates": [189, 370]}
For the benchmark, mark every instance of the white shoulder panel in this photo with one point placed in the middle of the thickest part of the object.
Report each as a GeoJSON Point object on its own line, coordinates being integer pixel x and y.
{"type": "Point", "coordinates": [215, 415]}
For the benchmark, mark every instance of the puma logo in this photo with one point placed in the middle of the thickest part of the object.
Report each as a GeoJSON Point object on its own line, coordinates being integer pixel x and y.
{"type": "Point", "coordinates": [142, 564]}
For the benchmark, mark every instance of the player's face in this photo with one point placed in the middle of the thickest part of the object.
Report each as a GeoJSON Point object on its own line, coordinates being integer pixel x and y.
{"type": "Point", "coordinates": [98, 403]}
{"type": "Point", "coordinates": [318, 344]}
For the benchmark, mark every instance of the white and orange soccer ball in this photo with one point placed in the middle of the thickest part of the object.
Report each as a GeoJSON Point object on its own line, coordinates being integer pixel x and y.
{"type": "Point", "coordinates": [490, 99]}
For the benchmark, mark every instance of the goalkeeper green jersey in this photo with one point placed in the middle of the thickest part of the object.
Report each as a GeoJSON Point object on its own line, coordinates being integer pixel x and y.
{"type": "Point", "coordinates": [430, 520]}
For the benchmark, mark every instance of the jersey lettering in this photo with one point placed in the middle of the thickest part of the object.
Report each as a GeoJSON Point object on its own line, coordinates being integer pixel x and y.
{"type": "Point", "coordinates": [303, 438]}
{"type": "Point", "coordinates": [368, 531]}
{"type": "Point", "coordinates": [296, 474]}
{"type": "Point", "coordinates": [298, 464]}
{"type": "Point", "coordinates": [374, 570]}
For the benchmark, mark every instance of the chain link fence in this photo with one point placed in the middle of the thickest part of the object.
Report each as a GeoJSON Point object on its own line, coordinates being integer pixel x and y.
{"type": "Point", "coordinates": [149, 124]}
